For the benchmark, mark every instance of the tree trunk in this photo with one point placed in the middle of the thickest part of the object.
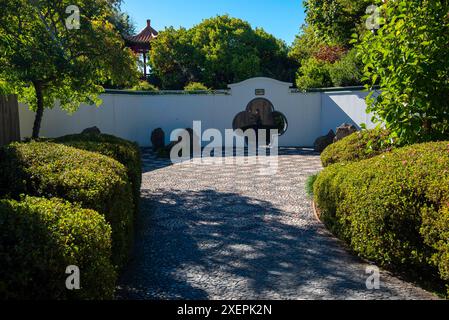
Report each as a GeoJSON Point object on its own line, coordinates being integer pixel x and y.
{"type": "Point", "coordinates": [145, 66]}
{"type": "Point", "coordinates": [39, 110]}
{"type": "Point", "coordinates": [427, 125]}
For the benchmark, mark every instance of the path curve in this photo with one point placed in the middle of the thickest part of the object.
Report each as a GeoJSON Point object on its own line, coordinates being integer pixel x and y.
{"type": "Point", "coordinates": [226, 231]}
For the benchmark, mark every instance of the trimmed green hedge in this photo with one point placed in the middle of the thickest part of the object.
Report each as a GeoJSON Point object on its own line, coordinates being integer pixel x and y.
{"type": "Point", "coordinates": [94, 181]}
{"type": "Point", "coordinates": [358, 146]}
{"type": "Point", "coordinates": [125, 152]}
{"type": "Point", "coordinates": [40, 238]}
{"type": "Point", "coordinates": [394, 208]}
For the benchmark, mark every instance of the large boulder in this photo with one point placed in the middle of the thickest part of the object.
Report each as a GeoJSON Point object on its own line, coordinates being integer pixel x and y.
{"type": "Point", "coordinates": [323, 142]}
{"type": "Point", "coordinates": [158, 139]}
{"type": "Point", "coordinates": [344, 131]}
{"type": "Point", "coordinates": [93, 130]}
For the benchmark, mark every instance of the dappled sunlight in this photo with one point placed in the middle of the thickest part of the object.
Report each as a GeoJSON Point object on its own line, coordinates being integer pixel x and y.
{"type": "Point", "coordinates": [206, 234]}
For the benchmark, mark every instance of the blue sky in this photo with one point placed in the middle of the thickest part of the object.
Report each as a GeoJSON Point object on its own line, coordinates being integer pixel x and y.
{"type": "Point", "coordinates": [281, 18]}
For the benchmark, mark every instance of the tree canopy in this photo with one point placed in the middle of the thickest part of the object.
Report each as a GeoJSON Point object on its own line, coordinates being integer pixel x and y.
{"type": "Point", "coordinates": [216, 52]}
{"type": "Point", "coordinates": [407, 57]}
{"type": "Point", "coordinates": [122, 22]}
{"type": "Point", "coordinates": [324, 49]}
{"type": "Point", "coordinates": [336, 20]}
{"type": "Point", "coordinates": [52, 51]}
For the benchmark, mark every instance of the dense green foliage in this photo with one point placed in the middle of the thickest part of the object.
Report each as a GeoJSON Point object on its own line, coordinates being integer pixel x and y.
{"type": "Point", "coordinates": [196, 86]}
{"type": "Point", "coordinates": [121, 21]}
{"type": "Point", "coordinates": [145, 86]}
{"type": "Point", "coordinates": [309, 184]}
{"type": "Point", "coordinates": [47, 61]}
{"type": "Point", "coordinates": [324, 49]}
{"type": "Point", "coordinates": [336, 20]}
{"type": "Point", "coordinates": [125, 152]}
{"type": "Point", "coordinates": [217, 52]}
{"type": "Point", "coordinates": [306, 44]}
{"type": "Point", "coordinates": [347, 71]}
{"type": "Point", "coordinates": [40, 238]}
{"type": "Point", "coordinates": [329, 71]}
{"type": "Point", "coordinates": [94, 181]}
{"type": "Point", "coordinates": [5, 88]}
{"type": "Point", "coordinates": [408, 58]}
{"type": "Point", "coordinates": [313, 74]}
{"type": "Point", "coordinates": [358, 146]}
{"type": "Point", "coordinates": [392, 209]}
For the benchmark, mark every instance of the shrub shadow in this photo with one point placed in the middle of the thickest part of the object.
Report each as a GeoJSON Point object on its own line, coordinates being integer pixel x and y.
{"type": "Point", "coordinates": [205, 244]}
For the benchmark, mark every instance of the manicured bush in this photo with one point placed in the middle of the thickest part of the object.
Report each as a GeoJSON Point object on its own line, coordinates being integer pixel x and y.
{"type": "Point", "coordinates": [358, 146]}
{"type": "Point", "coordinates": [40, 238]}
{"type": "Point", "coordinates": [94, 181]}
{"type": "Point", "coordinates": [393, 208]}
{"type": "Point", "coordinates": [125, 152]}
{"type": "Point", "coordinates": [145, 86]}
{"type": "Point", "coordinates": [195, 86]}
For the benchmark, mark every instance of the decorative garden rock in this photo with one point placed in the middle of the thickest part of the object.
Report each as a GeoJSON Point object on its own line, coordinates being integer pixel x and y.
{"type": "Point", "coordinates": [93, 130]}
{"type": "Point", "coordinates": [323, 142]}
{"type": "Point", "coordinates": [166, 151]}
{"type": "Point", "coordinates": [158, 139]}
{"type": "Point", "coordinates": [345, 130]}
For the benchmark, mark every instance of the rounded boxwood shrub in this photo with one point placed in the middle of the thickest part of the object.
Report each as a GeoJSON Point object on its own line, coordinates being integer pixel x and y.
{"type": "Point", "coordinates": [196, 86]}
{"type": "Point", "coordinates": [40, 238]}
{"type": "Point", "coordinates": [394, 208]}
{"type": "Point", "coordinates": [125, 152]}
{"type": "Point", "coordinates": [145, 86]}
{"type": "Point", "coordinates": [358, 146]}
{"type": "Point", "coordinates": [94, 181]}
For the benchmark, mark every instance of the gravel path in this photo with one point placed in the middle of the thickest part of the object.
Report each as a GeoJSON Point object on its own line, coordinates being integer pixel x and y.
{"type": "Point", "coordinates": [225, 231]}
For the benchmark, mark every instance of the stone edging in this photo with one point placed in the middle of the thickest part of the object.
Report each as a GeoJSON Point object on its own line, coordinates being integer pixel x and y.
{"type": "Point", "coordinates": [316, 211]}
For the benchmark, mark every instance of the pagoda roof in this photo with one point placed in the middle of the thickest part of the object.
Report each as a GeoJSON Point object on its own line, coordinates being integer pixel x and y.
{"type": "Point", "coordinates": [144, 37]}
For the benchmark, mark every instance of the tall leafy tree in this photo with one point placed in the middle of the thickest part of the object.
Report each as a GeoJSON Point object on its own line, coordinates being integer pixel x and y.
{"type": "Point", "coordinates": [50, 55]}
{"type": "Point", "coordinates": [324, 49]}
{"type": "Point", "coordinates": [122, 22]}
{"type": "Point", "coordinates": [307, 44]}
{"type": "Point", "coordinates": [408, 58]}
{"type": "Point", "coordinates": [174, 61]}
{"type": "Point", "coordinates": [228, 51]}
{"type": "Point", "coordinates": [217, 52]}
{"type": "Point", "coordinates": [336, 20]}
{"type": "Point", "coordinates": [274, 56]}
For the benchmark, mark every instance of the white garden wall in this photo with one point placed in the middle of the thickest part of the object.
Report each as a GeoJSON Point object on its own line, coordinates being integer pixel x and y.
{"type": "Point", "coordinates": [135, 116]}
{"type": "Point", "coordinates": [344, 107]}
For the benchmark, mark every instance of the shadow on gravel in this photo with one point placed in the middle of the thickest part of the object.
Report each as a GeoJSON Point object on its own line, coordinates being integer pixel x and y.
{"type": "Point", "coordinates": [194, 244]}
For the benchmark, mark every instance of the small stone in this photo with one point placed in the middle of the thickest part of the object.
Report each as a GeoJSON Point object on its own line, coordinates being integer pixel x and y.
{"type": "Point", "coordinates": [344, 131]}
{"type": "Point", "coordinates": [93, 130]}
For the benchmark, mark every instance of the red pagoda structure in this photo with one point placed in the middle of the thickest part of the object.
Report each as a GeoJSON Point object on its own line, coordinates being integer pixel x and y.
{"type": "Point", "coordinates": [141, 43]}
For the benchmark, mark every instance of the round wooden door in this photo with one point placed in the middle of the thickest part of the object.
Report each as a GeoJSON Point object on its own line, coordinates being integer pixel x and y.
{"type": "Point", "coordinates": [263, 110]}
{"type": "Point", "coordinates": [258, 115]}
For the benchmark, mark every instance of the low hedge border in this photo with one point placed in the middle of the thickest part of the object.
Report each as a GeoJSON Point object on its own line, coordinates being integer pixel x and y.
{"type": "Point", "coordinates": [125, 152]}
{"type": "Point", "coordinates": [361, 145]}
{"type": "Point", "coordinates": [94, 181]}
{"type": "Point", "coordinates": [40, 238]}
{"type": "Point", "coordinates": [392, 209]}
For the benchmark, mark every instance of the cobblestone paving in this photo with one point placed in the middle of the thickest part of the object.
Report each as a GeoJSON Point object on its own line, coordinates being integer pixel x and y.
{"type": "Point", "coordinates": [227, 231]}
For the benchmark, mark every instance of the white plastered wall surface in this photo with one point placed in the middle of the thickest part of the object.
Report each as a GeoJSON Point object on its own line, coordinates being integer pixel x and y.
{"type": "Point", "coordinates": [134, 116]}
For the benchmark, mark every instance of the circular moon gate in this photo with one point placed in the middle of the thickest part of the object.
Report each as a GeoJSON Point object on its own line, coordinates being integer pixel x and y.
{"type": "Point", "coordinates": [261, 115]}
